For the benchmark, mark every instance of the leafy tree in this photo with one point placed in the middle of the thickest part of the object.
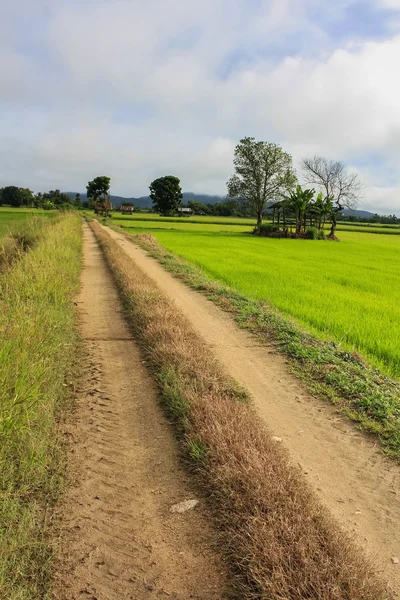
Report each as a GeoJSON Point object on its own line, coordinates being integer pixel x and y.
{"type": "Point", "coordinates": [229, 208]}
{"type": "Point", "coordinates": [335, 181]}
{"type": "Point", "coordinates": [47, 205]}
{"type": "Point", "coordinates": [299, 202]}
{"type": "Point", "coordinates": [12, 195]}
{"type": "Point", "coordinates": [263, 171]}
{"type": "Point", "coordinates": [166, 194]}
{"type": "Point", "coordinates": [27, 196]}
{"type": "Point", "coordinates": [98, 188]}
{"type": "Point", "coordinates": [98, 191]}
{"type": "Point", "coordinates": [322, 209]}
{"type": "Point", "coordinates": [57, 198]}
{"type": "Point", "coordinates": [38, 200]}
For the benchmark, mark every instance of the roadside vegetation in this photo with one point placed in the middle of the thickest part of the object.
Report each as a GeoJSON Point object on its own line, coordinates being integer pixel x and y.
{"type": "Point", "coordinates": [330, 369]}
{"type": "Point", "coordinates": [281, 543]}
{"type": "Point", "coordinates": [38, 344]}
{"type": "Point", "coordinates": [19, 233]}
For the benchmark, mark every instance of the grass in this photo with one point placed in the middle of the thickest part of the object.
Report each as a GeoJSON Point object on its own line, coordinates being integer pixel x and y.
{"type": "Point", "coordinates": [281, 543]}
{"type": "Point", "coordinates": [330, 371]}
{"type": "Point", "coordinates": [152, 221]}
{"type": "Point", "coordinates": [38, 341]}
{"type": "Point", "coordinates": [19, 236]}
{"type": "Point", "coordinates": [348, 293]}
{"type": "Point", "coordinates": [10, 218]}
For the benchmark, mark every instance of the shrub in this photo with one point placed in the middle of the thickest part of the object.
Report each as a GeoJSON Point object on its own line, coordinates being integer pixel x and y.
{"type": "Point", "coordinates": [312, 233]}
{"type": "Point", "coordinates": [267, 228]}
{"type": "Point", "coordinates": [321, 234]}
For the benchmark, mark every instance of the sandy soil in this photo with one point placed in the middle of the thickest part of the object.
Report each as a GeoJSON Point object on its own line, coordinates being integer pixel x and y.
{"type": "Point", "coordinates": [120, 540]}
{"type": "Point", "coordinates": [347, 469]}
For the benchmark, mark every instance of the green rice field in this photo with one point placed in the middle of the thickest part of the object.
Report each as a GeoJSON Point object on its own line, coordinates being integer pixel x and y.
{"type": "Point", "coordinates": [11, 217]}
{"type": "Point", "coordinates": [348, 292]}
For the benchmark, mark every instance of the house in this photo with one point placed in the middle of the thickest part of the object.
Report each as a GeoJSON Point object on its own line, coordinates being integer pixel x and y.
{"type": "Point", "coordinates": [184, 211]}
{"type": "Point", "coordinates": [126, 209]}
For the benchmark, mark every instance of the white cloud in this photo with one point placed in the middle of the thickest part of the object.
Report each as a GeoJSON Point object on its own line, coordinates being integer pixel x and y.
{"type": "Point", "coordinates": [139, 89]}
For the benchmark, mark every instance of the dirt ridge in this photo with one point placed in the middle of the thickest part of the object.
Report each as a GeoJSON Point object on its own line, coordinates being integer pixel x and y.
{"type": "Point", "coordinates": [120, 539]}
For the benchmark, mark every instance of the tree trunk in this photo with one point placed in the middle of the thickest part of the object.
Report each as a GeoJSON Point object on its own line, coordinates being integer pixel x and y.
{"type": "Point", "coordinates": [259, 218]}
{"type": "Point", "coordinates": [333, 226]}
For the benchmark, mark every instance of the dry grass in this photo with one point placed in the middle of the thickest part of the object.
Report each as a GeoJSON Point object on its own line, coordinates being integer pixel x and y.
{"type": "Point", "coordinates": [282, 544]}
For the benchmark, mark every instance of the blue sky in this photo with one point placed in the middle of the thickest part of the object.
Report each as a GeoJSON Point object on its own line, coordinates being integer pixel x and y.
{"type": "Point", "coordinates": [136, 90]}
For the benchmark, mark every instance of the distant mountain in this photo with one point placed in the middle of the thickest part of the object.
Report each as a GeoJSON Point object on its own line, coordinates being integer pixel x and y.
{"type": "Point", "coordinates": [361, 214]}
{"type": "Point", "coordinates": [146, 202]}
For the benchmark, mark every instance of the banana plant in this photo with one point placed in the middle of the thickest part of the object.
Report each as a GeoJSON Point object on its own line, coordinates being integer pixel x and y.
{"type": "Point", "coordinates": [299, 201]}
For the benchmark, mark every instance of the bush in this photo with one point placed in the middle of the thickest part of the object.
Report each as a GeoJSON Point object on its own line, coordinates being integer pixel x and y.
{"type": "Point", "coordinates": [267, 229]}
{"type": "Point", "coordinates": [321, 234]}
{"type": "Point", "coordinates": [312, 233]}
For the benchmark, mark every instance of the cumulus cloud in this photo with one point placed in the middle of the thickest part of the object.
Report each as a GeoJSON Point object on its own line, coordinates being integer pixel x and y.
{"type": "Point", "coordinates": [137, 90]}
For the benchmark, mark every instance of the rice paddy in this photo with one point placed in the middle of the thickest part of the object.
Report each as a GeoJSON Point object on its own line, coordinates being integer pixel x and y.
{"type": "Point", "coordinates": [347, 292]}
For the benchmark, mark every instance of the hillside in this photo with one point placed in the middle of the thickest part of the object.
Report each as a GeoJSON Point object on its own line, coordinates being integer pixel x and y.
{"type": "Point", "coordinates": [145, 202]}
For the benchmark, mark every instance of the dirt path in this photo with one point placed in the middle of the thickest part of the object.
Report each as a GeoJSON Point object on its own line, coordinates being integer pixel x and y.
{"type": "Point", "coordinates": [347, 469]}
{"type": "Point", "coordinates": [121, 541]}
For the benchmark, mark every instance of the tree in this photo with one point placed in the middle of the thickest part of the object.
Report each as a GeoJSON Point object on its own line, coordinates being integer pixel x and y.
{"type": "Point", "coordinates": [98, 187]}
{"type": "Point", "coordinates": [299, 202]}
{"type": "Point", "coordinates": [98, 190]}
{"type": "Point", "coordinates": [166, 194]}
{"type": "Point", "coordinates": [342, 187]}
{"type": "Point", "coordinates": [263, 171]}
{"type": "Point", "coordinates": [27, 196]}
{"type": "Point", "coordinates": [57, 198]}
{"type": "Point", "coordinates": [12, 195]}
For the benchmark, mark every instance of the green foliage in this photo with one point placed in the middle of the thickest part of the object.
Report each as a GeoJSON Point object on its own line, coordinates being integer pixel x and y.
{"type": "Point", "coordinates": [299, 202]}
{"type": "Point", "coordinates": [47, 205]}
{"type": "Point", "coordinates": [56, 198]}
{"type": "Point", "coordinates": [197, 450]}
{"type": "Point", "coordinates": [12, 195]}
{"type": "Point", "coordinates": [267, 228]}
{"type": "Point", "coordinates": [321, 234]}
{"type": "Point", "coordinates": [166, 194]}
{"type": "Point", "coordinates": [312, 233]}
{"type": "Point", "coordinates": [99, 187]}
{"type": "Point", "coordinates": [263, 171]}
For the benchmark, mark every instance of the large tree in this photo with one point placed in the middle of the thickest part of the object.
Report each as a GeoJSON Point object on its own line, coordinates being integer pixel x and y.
{"type": "Point", "coordinates": [339, 186]}
{"type": "Point", "coordinates": [263, 171]}
{"type": "Point", "coordinates": [98, 188]}
{"type": "Point", "coordinates": [166, 194]}
{"type": "Point", "coordinates": [12, 195]}
{"type": "Point", "coordinates": [98, 191]}
{"type": "Point", "coordinates": [56, 197]}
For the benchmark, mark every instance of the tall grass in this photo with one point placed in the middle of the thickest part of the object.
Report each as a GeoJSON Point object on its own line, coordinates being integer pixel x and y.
{"type": "Point", "coordinates": [19, 235]}
{"type": "Point", "coordinates": [37, 346]}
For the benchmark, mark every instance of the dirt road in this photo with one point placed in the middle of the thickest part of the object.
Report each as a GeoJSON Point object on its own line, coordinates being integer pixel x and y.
{"type": "Point", "coordinates": [120, 540]}
{"type": "Point", "coordinates": [347, 469]}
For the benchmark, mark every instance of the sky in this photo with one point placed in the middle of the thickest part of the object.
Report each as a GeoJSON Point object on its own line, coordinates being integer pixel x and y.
{"type": "Point", "coordinates": [138, 89]}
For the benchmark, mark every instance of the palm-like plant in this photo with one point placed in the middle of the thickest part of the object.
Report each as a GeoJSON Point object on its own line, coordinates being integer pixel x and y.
{"type": "Point", "coordinates": [322, 208]}
{"type": "Point", "coordinates": [299, 201]}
